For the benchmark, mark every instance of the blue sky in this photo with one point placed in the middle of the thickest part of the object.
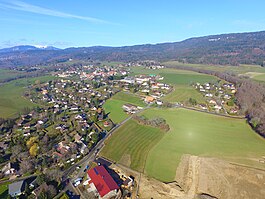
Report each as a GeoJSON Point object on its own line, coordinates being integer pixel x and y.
{"type": "Point", "coordinates": [65, 23]}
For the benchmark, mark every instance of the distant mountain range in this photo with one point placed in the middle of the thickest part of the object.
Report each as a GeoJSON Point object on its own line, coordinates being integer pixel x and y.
{"type": "Point", "coordinates": [26, 48]}
{"type": "Point", "coordinates": [224, 49]}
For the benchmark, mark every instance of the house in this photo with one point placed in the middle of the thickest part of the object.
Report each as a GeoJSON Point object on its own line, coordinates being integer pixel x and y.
{"type": "Point", "coordinates": [16, 188]}
{"type": "Point", "coordinates": [129, 108]}
{"type": "Point", "coordinates": [106, 124]}
{"type": "Point", "coordinates": [149, 99]}
{"type": "Point", "coordinates": [212, 102]}
{"type": "Point", "coordinates": [10, 168]}
{"type": "Point", "coordinates": [158, 102]}
{"type": "Point", "coordinates": [77, 138]}
{"type": "Point", "coordinates": [101, 182]}
{"type": "Point", "coordinates": [209, 95]}
{"type": "Point", "coordinates": [218, 107]}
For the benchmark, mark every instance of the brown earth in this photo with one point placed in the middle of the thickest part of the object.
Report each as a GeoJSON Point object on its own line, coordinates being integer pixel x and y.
{"type": "Point", "coordinates": [207, 178]}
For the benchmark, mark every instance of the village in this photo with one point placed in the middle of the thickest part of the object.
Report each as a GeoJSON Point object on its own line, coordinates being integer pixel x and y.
{"type": "Point", "coordinates": [65, 126]}
{"type": "Point", "coordinates": [69, 121]}
{"type": "Point", "coordinates": [219, 97]}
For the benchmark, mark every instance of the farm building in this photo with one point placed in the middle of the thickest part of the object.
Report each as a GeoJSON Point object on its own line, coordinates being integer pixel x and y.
{"type": "Point", "coordinates": [101, 182]}
{"type": "Point", "coordinates": [129, 108]}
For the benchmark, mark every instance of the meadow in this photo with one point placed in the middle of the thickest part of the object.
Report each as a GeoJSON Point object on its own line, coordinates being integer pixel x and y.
{"type": "Point", "coordinates": [12, 100]}
{"type": "Point", "coordinates": [191, 132]}
{"type": "Point", "coordinates": [202, 134]}
{"type": "Point", "coordinates": [114, 105]}
{"type": "Point", "coordinates": [239, 70]}
{"type": "Point", "coordinates": [183, 94]}
{"type": "Point", "coordinates": [131, 143]}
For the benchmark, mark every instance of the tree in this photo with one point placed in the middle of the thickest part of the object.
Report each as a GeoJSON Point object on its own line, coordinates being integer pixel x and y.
{"type": "Point", "coordinates": [31, 141]}
{"type": "Point", "coordinates": [94, 137]}
{"type": "Point", "coordinates": [34, 149]}
{"type": "Point", "coordinates": [26, 166]}
{"type": "Point", "coordinates": [54, 174]}
{"type": "Point", "coordinates": [51, 191]}
{"type": "Point", "coordinates": [193, 101]}
{"type": "Point", "coordinates": [40, 179]}
{"type": "Point", "coordinates": [17, 149]}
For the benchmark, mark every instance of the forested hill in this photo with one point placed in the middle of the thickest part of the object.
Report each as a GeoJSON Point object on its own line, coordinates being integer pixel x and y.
{"type": "Point", "coordinates": [232, 49]}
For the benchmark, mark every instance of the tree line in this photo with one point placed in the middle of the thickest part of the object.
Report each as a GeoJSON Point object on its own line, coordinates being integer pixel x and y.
{"type": "Point", "coordinates": [155, 122]}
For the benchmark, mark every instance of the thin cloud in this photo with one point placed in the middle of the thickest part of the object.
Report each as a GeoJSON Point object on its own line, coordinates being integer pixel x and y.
{"type": "Point", "coordinates": [22, 6]}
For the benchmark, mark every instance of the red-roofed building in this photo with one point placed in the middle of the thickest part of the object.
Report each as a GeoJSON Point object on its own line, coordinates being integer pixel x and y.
{"type": "Point", "coordinates": [100, 178]}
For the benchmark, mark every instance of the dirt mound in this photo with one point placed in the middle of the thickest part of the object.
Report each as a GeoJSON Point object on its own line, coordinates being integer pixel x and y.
{"type": "Point", "coordinates": [214, 178]}
{"type": "Point", "coordinates": [151, 188]}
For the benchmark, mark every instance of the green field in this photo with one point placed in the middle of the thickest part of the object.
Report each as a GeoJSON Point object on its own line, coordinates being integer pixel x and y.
{"type": "Point", "coordinates": [183, 94]}
{"type": "Point", "coordinates": [11, 95]}
{"type": "Point", "coordinates": [191, 132]}
{"type": "Point", "coordinates": [202, 134]}
{"type": "Point", "coordinates": [239, 70]}
{"type": "Point", "coordinates": [131, 143]}
{"type": "Point", "coordinates": [114, 105]}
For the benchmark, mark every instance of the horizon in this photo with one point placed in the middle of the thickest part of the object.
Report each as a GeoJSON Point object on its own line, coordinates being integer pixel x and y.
{"type": "Point", "coordinates": [45, 46]}
{"type": "Point", "coordinates": [119, 23]}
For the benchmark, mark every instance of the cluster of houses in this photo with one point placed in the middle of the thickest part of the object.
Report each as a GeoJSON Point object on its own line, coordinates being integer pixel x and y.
{"type": "Point", "coordinates": [70, 119]}
{"type": "Point", "coordinates": [90, 72]}
{"type": "Point", "coordinates": [149, 87]}
{"type": "Point", "coordinates": [219, 97]}
{"type": "Point", "coordinates": [148, 64]}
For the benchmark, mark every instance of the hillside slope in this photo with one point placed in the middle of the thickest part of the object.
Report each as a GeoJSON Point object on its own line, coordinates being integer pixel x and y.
{"type": "Point", "coordinates": [233, 49]}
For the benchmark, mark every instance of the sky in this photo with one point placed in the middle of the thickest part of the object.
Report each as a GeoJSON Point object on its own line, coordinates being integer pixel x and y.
{"type": "Point", "coordinates": [82, 23]}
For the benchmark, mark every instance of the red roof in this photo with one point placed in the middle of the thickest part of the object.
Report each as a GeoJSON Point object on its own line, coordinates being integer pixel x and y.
{"type": "Point", "coordinates": [102, 180]}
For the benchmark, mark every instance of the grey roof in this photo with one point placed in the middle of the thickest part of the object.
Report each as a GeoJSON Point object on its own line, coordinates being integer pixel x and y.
{"type": "Point", "coordinates": [16, 188]}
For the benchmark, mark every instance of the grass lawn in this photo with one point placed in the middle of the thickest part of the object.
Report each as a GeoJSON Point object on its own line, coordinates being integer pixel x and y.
{"type": "Point", "coordinates": [11, 96]}
{"type": "Point", "coordinates": [183, 94]}
{"type": "Point", "coordinates": [201, 134]}
{"type": "Point", "coordinates": [4, 190]}
{"type": "Point", "coordinates": [131, 143]}
{"type": "Point", "coordinates": [114, 105]}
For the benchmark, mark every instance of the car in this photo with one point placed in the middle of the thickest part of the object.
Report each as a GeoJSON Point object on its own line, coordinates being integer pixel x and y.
{"type": "Point", "coordinates": [86, 168]}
